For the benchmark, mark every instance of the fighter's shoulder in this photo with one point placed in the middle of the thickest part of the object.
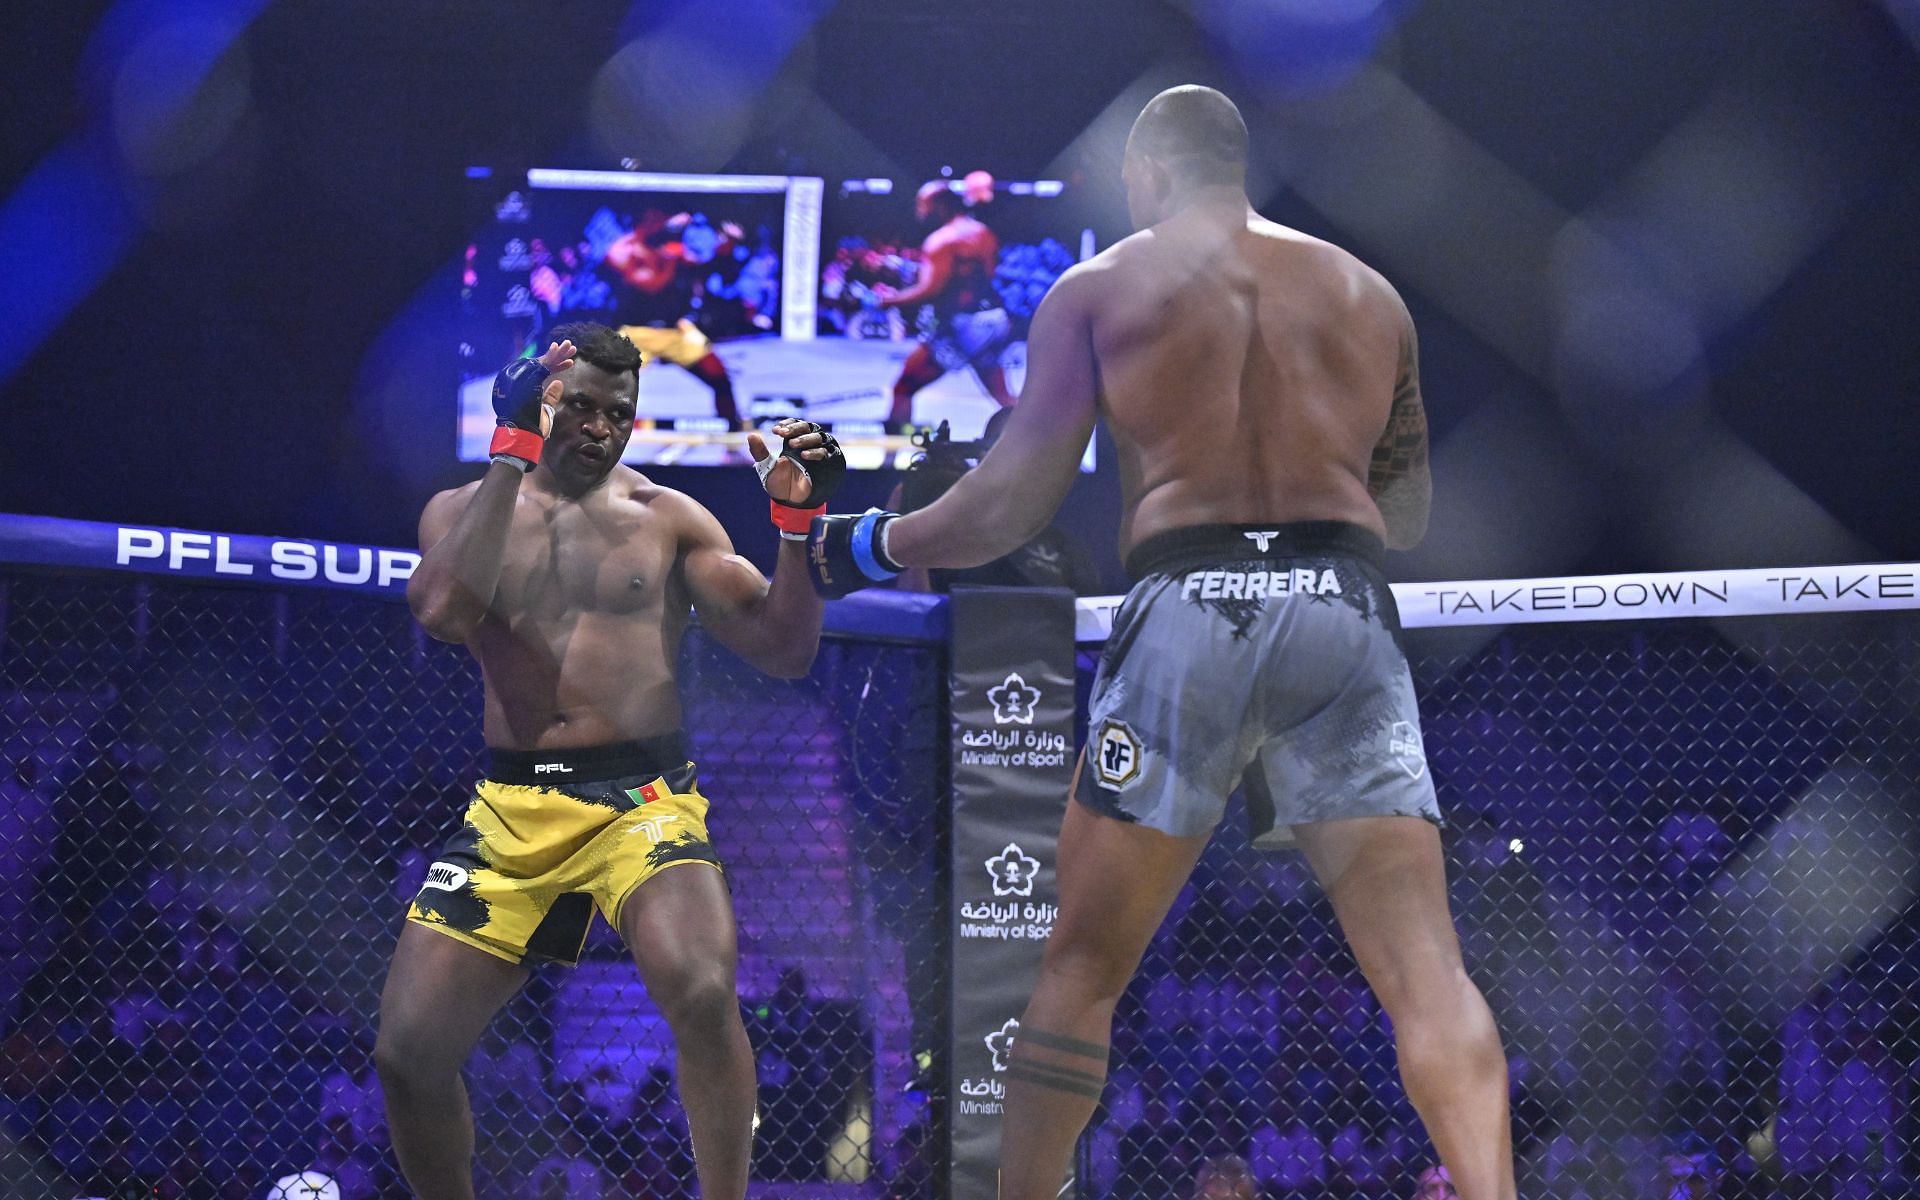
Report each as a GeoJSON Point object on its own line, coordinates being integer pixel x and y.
{"type": "Point", "coordinates": [1342, 269]}
{"type": "Point", "coordinates": [631, 487]}
{"type": "Point", "coordinates": [942, 238]}
{"type": "Point", "coordinates": [1083, 283]}
{"type": "Point", "coordinates": [1123, 255]}
{"type": "Point", "coordinates": [441, 510]}
{"type": "Point", "coordinates": [1133, 257]}
{"type": "Point", "coordinates": [451, 501]}
{"type": "Point", "coordinates": [680, 514]}
{"type": "Point", "coordinates": [460, 494]}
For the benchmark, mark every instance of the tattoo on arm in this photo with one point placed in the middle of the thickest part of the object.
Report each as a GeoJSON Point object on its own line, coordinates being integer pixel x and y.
{"type": "Point", "coordinates": [1402, 449]}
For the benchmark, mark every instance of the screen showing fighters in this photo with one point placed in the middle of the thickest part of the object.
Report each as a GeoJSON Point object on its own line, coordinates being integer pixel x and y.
{"type": "Point", "coordinates": [875, 307]}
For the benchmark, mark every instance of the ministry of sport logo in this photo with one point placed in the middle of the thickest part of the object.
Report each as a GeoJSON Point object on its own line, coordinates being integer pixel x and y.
{"type": "Point", "coordinates": [1013, 700]}
{"type": "Point", "coordinates": [1013, 871]}
{"type": "Point", "coordinates": [1000, 1042]}
{"type": "Point", "coordinates": [1403, 742]}
{"type": "Point", "coordinates": [513, 208]}
{"type": "Point", "coordinates": [1116, 754]}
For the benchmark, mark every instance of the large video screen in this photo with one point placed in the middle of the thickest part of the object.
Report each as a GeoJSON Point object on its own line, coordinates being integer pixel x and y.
{"type": "Point", "coordinates": [875, 307]}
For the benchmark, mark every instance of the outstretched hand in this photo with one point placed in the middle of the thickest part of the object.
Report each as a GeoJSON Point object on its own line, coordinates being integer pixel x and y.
{"type": "Point", "coordinates": [787, 481]}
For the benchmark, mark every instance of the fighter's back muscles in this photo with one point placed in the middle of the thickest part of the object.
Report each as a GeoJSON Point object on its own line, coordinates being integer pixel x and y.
{"type": "Point", "coordinates": [1247, 374]}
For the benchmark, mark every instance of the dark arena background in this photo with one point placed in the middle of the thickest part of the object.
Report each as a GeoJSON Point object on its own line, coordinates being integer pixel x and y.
{"type": "Point", "coordinates": [260, 260]}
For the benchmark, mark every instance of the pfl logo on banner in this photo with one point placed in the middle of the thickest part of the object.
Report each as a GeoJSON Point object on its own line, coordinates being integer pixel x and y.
{"type": "Point", "coordinates": [1013, 700]}
{"type": "Point", "coordinates": [1000, 1043]}
{"type": "Point", "coordinates": [1013, 871]}
{"type": "Point", "coordinates": [176, 549]}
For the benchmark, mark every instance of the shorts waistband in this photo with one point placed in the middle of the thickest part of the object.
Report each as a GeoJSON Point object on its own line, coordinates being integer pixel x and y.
{"type": "Point", "coordinates": [659, 755]}
{"type": "Point", "coordinates": [1177, 550]}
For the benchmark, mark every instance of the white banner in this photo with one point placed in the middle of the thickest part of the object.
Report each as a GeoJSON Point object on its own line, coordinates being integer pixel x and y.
{"type": "Point", "coordinates": [655, 181]}
{"type": "Point", "coordinates": [800, 259]}
{"type": "Point", "coordinates": [1762, 591]}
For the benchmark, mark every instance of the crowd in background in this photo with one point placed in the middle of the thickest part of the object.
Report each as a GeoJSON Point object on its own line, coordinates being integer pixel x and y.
{"type": "Point", "coordinates": [194, 924]}
{"type": "Point", "coordinates": [1251, 1041]}
{"type": "Point", "coordinates": [163, 1049]}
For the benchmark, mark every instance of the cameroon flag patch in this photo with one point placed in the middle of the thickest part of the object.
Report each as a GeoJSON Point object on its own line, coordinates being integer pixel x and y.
{"type": "Point", "coordinates": [644, 794]}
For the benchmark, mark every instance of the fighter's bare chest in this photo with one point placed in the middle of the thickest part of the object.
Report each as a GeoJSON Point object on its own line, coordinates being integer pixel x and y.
{"type": "Point", "coordinates": [616, 559]}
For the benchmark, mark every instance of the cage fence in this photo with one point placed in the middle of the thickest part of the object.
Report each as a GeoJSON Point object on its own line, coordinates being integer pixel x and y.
{"type": "Point", "coordinates": [1682, 859]}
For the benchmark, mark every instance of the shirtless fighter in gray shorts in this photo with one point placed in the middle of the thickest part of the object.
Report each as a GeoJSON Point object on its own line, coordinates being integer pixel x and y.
{"type": "Point", "coordinates": [1262, 389]}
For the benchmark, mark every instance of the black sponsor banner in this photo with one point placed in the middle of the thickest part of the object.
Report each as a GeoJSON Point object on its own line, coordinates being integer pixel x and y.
{"type": "Point", "coordinates": [1013, 713]}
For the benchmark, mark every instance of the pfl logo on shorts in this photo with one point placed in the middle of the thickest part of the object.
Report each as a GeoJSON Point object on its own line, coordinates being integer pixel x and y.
{"type": "Point", "coordinates": [1013, 701]}
{"type": "Point", "coordinates": [1403, 742]}
{"type": "Point", "coordinates": [1013, 871]}
{"type": "Point", "coordinates": [1116, 754]}
{"type": "Point", "coordinates": [445, 877]}
{"type": "Point", "coordinates": [1000, 1042]}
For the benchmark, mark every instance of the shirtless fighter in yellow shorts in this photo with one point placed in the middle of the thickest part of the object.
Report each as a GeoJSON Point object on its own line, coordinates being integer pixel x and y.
{"type": "Point", "coordinates": [570, 577]}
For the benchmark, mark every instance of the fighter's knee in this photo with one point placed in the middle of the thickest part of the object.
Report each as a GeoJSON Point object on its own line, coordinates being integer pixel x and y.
{"type": "Point", "coordinates": [696, 995]}
{"type": "Point", "coordinates": [406, 1056]}
{"type": "Point", "coordinates": [389, 1062]}
{"type": "Point", "coordinates": [1440, 1007]}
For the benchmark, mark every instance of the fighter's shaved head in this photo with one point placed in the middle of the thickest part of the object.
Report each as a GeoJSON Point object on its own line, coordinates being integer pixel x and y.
{"type": "Point", "coordinates": [1195, 132]}
{"type": "Point", "coordinates": [936, 200]}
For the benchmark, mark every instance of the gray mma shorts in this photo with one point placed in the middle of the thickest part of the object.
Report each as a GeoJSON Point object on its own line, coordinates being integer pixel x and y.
{"type": "Point", "coordinates": [971, 339]}
{"type": "Point", "coordinates": [1264, 657]}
